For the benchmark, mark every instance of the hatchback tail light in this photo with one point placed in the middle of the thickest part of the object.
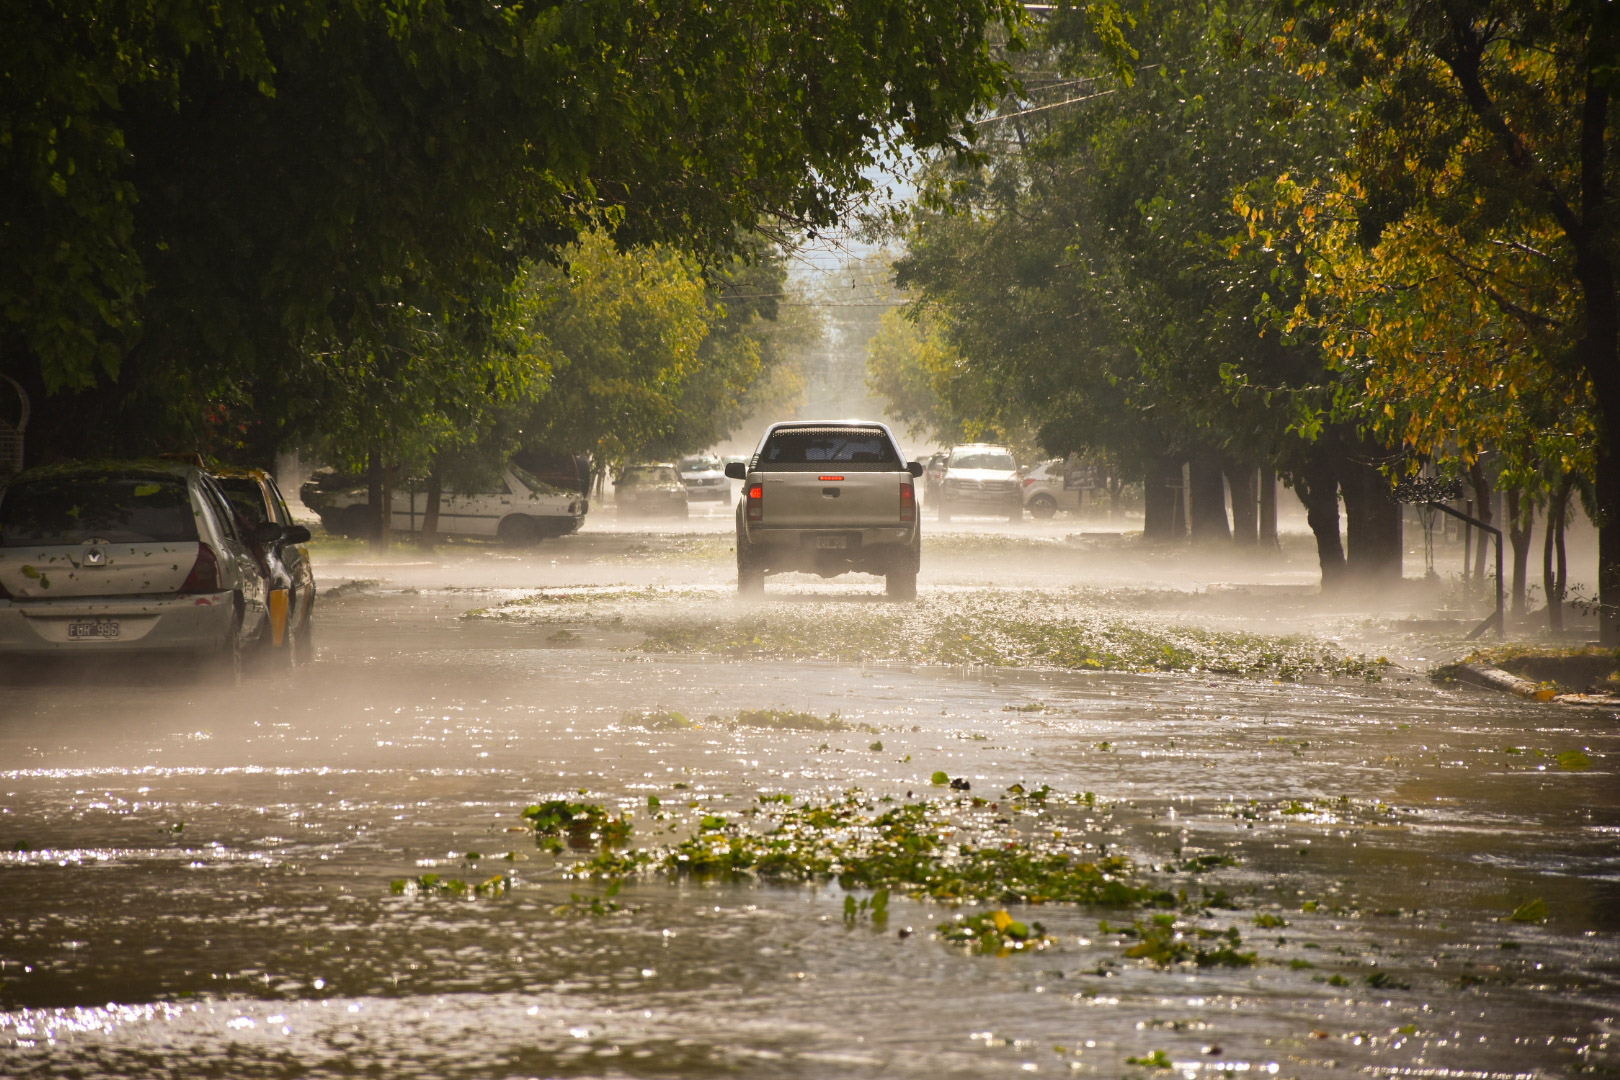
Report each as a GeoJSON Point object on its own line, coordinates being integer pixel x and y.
{"type": "Point", "coordinates": [756, 502]}
{"type": "Point", "coordinates": [1028, 480]}
{"type": "Point", "coordinates": [204, 576]}
{"type": "Point", "coordinates": [908, 502]}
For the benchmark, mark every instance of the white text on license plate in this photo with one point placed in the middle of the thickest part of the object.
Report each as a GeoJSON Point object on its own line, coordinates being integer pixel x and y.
{"type": "Point", "coordinates": [91, 629]}
{"type": "Point", "coordinates": [832, 541]}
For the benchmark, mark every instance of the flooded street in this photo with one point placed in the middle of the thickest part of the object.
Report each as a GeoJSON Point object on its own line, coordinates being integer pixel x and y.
{"type": "Point", "coordinates": [1326, 863]}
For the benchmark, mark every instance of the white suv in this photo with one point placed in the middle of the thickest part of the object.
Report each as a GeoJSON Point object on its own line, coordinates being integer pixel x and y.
{"type": "Point", "coordinates": [980, 478]}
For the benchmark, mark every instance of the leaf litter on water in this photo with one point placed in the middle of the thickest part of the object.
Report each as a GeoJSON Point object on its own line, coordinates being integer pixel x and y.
{"type": "Point", "coordinates": [1071, 629]}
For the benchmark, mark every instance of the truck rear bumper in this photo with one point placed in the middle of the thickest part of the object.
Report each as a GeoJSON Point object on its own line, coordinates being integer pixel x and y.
{"type": "Point", "coordinates": [829, 551]}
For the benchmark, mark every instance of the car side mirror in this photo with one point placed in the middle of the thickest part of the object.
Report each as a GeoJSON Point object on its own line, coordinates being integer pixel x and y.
{"type": "Point", "coordinates": [915, 468]}
{"type": "Point", "coordinates": [737, 470]}
{"type": "Point", "coordinates": [266, 533]}
{"type": "Point", "coordinates": [295, 534]}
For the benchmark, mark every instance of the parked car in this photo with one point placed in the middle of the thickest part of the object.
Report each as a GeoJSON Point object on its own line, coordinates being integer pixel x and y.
{"type": "Point", "coordinates": [983, 478]}
{"type": "Point", "coordinates": [1044, 491]}
{"type": "Point", "coordinates": [704, 479]}
{"type": "Point", "coordinates": [127, 557]}
{"type": "Point", "coordinates": [828, 498]}
{"type": "Point", "coordinates": [256, 495]}
{"type": "Point", "coordinates": [651, 491]}
{"type": "Point", "coordinates": [519, 509]}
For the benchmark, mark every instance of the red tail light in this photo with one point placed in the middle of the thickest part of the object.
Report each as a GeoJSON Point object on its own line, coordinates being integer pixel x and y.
{"type": "Point", "coordinates": [908, 502]}
{"type": "Point", "coordinates": [756, 503]}
{"type": "Point", "coordinates": [1028, 480]}
{"type": "Point", "coordinates": [204, 576]}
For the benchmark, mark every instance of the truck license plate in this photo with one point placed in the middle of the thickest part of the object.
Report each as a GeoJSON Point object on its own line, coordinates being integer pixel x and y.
{"type": "Point", "coordinates": [832, 541]}
{"type": "Point", "coordinates": [91, 629]}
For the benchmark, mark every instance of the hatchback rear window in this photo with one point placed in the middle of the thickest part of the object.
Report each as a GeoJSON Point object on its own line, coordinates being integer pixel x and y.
{"type": "Point", "coordinates": [63, 511]}
{"type": "Point", "coordinates": [855, 449]}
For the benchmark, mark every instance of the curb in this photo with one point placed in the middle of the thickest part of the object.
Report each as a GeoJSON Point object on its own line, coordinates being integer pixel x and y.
{"type": "Point", "coordinates": [1494, 678]}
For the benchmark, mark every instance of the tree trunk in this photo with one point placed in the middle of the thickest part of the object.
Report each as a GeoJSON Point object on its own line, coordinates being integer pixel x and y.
{"type": "Point", "coordinates": [1553, 583]}
{"type": "Point", "coordinates": [1606, 481]}
{"type": "Point", "coordinates": [1208, 500]}
{"type": "Point", "coordinates": [378, 497]}
{"type": "Point", "coordinates": [1318, 488]}
{"type": "Point", "coordinates": [1521, 521]}
{"type": "Point", "coordinates": [1268, 507]}
{"type": "Point", "coordinates": [430, 512]}
{"type": "Point", "coordinates": [1562, 565]}
{"type": "Point", "coordinates": [1245, 523]}
{"type": "Point", "coordinates": [1116, 487]}
{"type": "Point", "coordinates": [1482, 499]}
{"type": "Point", "coordinates": [1373, 524]}
{"type": "Point", "coordinates": [1161, 499]}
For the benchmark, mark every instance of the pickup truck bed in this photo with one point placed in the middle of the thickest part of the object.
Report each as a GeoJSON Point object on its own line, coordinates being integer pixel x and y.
{"type": "Point", "coordinates": [828, 498]}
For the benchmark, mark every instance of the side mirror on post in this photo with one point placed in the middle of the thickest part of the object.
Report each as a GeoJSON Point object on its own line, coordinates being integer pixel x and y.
{"type": "Point", "coordinates": [915, 468]}
{"type": "Point", "coordinates": [295, 534]}
{"type": "Point", "coordinates": [737, 470]}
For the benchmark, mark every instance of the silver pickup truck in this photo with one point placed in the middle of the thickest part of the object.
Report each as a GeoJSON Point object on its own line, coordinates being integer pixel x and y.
{"type": "Point", "coordinates": [828, 497]}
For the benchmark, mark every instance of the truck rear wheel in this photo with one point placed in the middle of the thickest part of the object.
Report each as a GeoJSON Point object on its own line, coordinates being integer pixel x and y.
{"type": "Point", "coordinates": [750, 574]}
{"type": "Point", "coordinates": [901, 584]}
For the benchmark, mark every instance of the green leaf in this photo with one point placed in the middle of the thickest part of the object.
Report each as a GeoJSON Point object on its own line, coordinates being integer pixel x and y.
{"type": "Point", "coordinates": [1531, 911]}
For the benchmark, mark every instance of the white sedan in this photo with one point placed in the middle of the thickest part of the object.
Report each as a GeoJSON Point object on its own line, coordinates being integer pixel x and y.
{"type": "Point", "coordinates": [127, 557]}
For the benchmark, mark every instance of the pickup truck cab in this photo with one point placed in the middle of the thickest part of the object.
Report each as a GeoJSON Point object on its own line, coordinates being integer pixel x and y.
{"type": "Point", "coordinates": [828, 498]}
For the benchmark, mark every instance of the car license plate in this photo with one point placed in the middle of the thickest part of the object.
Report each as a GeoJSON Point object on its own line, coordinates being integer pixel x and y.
{"type": "Point", "coordinates": [92, 629]}
{"type": "Point", "coordinates": [832, 541]}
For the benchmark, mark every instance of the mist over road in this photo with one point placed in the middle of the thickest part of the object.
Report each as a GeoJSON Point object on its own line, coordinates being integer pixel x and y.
{"type": "Point", "coordinates": [1336, 863]}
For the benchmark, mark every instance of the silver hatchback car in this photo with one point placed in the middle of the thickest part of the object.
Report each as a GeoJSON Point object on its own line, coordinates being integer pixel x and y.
{"type": "Point", "coordinates": [115, 557]}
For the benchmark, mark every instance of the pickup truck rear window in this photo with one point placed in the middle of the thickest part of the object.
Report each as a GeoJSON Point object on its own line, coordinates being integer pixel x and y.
{"type": "Point", "coordinates": [851, 449]}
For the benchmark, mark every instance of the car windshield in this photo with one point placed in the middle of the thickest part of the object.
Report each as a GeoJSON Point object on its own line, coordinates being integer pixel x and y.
{"type": "Point", "coordinates": [62, 511]}
{"type": "Point", "coordinates": [999, 460]}
{"type": "Point", "coordinates": [534, 483]}
{"type": "Point", "coordinates": [648, 476]}
{"type": "Point", "coordinates": [247, 496]}
{"type": "Point", "coordinates": [820, 446]}
{"type": "Point", "coordinates": [700, 465]}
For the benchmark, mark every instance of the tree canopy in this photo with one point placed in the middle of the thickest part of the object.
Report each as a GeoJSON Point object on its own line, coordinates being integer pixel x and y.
{"type": "Point", "coordinates": [200, 200]}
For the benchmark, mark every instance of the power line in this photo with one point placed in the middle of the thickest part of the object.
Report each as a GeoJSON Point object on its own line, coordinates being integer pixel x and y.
{"type": "Point", "coordinates": [1043, 108]}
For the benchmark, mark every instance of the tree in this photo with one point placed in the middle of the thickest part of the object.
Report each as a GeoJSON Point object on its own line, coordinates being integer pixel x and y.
{"type": "Point", "coordinates": [930, 388]}
{"type": "Point", "coordinates": [1466, 254]}
{"type": "Point", "coordinates": [199, 200]}
{"type": "Point", "coordinates": [626, 328]}
{"type": "Point", "coordinates": [1098, 274]}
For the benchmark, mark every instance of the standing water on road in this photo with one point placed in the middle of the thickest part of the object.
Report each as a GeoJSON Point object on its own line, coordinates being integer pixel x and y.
{"type": "Point", "coordinates": [582, 813]}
